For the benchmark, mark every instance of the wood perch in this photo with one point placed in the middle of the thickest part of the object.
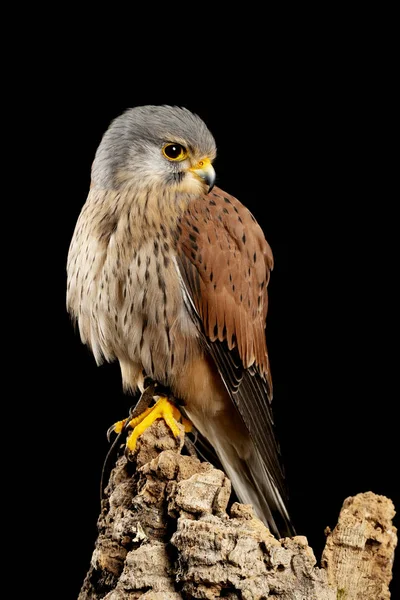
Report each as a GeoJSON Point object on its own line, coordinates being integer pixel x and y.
{"type": "Point", "coordinates": [168, 532]}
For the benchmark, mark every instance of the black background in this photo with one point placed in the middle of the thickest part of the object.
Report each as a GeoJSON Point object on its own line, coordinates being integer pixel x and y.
{"type": "Point", "coordinates": [306, 146]}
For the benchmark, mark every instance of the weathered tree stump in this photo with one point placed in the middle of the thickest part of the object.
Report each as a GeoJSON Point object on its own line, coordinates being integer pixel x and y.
{"type": "Point", "coordinates": [167, 532]}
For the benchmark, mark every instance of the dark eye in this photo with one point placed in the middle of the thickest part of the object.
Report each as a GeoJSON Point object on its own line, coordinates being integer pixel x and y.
{"type": "Point", "coordinates": [174, 152]}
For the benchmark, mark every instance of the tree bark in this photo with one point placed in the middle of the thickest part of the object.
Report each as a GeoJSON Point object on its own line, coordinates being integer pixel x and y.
{"type": "Point", "coordinates": [167, 531]}
{"type": "Point", "coordinates": [359, 552]}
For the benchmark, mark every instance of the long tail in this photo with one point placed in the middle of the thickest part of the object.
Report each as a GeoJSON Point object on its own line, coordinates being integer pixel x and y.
{"type": "Point", "coordinates": [254, 485]}
{"type": "Point", "coordinates": [247, 471]}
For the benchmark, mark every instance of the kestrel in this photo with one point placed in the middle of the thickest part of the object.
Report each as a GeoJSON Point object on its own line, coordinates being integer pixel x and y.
{"type": "Point", "coordinates": [168, 274]}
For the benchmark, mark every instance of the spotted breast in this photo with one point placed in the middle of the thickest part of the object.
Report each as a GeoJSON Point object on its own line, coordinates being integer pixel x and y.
{"type": "Point", "coordinates": [124, 287]}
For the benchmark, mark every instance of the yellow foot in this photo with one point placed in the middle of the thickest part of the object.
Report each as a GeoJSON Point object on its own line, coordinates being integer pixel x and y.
{"type": "Point", "coordinates": [163, 409]}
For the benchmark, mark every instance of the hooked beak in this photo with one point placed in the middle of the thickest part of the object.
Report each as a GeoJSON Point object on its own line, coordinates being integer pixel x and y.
{"type": "Point", "coordinates": [205, 171]}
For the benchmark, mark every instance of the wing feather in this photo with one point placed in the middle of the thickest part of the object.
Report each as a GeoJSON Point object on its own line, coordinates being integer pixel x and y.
{"type": "Point", "coordinates": [225, 263]}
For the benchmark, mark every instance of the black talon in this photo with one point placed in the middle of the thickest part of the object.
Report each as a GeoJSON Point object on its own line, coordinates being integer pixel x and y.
{"type": "Point", "coordinates": [110, 430]}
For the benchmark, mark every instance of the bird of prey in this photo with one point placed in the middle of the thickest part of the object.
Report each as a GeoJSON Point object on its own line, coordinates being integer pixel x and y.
{"type": "Point", "coordinates": [168, 274]}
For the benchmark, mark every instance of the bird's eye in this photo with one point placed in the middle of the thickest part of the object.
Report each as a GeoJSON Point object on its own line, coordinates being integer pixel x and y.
{"type": "Point", "coordinates": [174, 152]}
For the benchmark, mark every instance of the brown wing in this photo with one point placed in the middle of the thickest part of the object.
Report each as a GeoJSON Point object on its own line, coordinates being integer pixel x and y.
{"type": "Point", "coordinates": [225, 264]}
{"type": "Point", "coordinates": [223, 242]}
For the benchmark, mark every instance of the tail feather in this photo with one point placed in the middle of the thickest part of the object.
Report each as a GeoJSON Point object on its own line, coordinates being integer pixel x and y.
{"type": "Point", "coordinates": [254, 485]}
{"type": "Point", "coordinates": [249, 475]}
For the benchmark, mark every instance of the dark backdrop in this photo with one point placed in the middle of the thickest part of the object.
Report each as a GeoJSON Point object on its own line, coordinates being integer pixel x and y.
{"type": "Point", "coordinates": [306, 152]}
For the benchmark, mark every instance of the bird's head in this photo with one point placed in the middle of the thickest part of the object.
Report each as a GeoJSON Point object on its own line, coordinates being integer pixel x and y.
{"type": "Point", "coordinates": [156, 146]}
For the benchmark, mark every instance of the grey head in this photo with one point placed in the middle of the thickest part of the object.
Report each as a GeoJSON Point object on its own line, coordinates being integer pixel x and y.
{"type": "Point", "coordinates": [150, 146]}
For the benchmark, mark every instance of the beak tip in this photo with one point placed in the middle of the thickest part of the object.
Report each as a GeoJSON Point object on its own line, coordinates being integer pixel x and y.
{"type": "Point", "coordinates": [209, 178]}
{"type": "Point", "coordinates": [207, 174]}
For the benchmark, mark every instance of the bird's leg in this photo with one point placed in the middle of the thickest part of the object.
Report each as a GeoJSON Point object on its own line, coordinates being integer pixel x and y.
{"type": "Point", "coordinates": [163, 409]}
{"type": "Point", "coordinates": [141, 416]}
{"type": "Point", "coordinates": [145, 399]}
{"type": "Point", "coordinates": [139, 408]}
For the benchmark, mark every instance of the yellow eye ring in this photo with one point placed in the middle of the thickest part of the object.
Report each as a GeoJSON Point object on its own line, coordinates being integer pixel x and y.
{"type": "Point", "coordinates": [174, 152]}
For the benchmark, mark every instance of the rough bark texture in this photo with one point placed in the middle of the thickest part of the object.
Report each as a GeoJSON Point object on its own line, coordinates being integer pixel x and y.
{"type": "Point", "coordinates": [167, 532]}
{"type": "Point", "coordinates": [359, 552]}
